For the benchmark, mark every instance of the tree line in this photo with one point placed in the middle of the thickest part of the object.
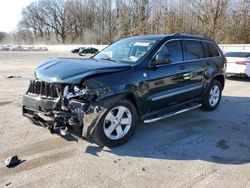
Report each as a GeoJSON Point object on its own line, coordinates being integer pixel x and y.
{"type": "Point", "coordinates": [105, 21]}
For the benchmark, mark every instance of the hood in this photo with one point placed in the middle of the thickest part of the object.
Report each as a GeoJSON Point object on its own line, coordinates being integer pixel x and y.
{"type": "Point", "coordinates": [74, 70]}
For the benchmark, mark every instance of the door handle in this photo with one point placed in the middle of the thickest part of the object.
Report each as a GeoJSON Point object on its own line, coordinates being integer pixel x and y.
{"type": "Point", "coordinates": [187, 76]}
{"type": "Point", "coordinates": [182, 67]}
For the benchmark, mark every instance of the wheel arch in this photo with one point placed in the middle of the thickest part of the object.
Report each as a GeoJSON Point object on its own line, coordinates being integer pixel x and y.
{"type": "Point", "coordinates": [221, 79]}
{"type": "Point", "coordinates": [96, 130]}
{"type": "Point", "coordinates": [130, 96]}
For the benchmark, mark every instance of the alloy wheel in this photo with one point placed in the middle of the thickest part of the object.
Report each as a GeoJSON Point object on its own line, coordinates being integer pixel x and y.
{"type": "Point", "coordinates": [214, 95]}
{"type": "Point", "coordinates": [117, 122]}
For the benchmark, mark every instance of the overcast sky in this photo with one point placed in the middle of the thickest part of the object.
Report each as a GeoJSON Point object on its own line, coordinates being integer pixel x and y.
{"type": "Point", "coordinates": [10, 13]}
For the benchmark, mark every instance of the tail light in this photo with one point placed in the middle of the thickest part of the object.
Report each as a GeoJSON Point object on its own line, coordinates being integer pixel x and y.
{"type": "Point", "coordinates": [225, 64]}
{"type": "Point", "coordinates": [242, 62]}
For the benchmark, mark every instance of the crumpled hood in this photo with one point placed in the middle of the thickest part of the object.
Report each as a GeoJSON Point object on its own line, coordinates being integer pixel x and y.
{"type": "Point", "coordinates": [74, 70]}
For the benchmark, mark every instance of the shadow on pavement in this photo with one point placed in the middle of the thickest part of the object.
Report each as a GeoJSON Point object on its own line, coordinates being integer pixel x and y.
{"type": "Point", "coordinates": [237, 78]}
{"type": "Point", "coordinates": [221, 136]}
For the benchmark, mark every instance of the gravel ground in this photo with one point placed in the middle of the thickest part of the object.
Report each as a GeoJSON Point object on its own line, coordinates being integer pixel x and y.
{"type": "Point", "coordinates": [195, 149]}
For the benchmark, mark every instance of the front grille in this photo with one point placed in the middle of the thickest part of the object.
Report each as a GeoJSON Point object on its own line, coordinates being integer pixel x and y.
{"type": "Point", "coordinates": [43, 89]}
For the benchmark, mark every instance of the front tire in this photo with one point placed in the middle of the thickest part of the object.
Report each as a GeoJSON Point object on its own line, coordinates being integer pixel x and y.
{"type": "Point", "coordinates": [117, 124]}
{"type": "Point", "coordinates": [213, 96]}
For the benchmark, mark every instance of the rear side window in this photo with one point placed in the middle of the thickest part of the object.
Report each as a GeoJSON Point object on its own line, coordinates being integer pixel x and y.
{"type": "Point", "coordinates": [193, 50]}
{"type": "Point", "coordinates": [174, 48]}
{"type": "Point", "coordinates": [210, 50]}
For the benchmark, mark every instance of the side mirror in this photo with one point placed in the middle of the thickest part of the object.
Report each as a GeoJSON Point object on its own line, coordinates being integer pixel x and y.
{"type": "Point", "coordinates": [162, 58]}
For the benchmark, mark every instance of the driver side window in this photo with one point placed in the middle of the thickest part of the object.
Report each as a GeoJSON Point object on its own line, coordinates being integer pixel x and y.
{"type": "Point", "coordinates": [174, 49]}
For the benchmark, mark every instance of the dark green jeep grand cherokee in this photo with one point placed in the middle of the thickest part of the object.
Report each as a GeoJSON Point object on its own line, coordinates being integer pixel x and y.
{"type": "Point", "coordinates": [144, 78]}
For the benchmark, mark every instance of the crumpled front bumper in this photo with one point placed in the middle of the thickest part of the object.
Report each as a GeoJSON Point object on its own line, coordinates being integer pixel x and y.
{"type": "Point", "coordinates": [38, 103]}
{"type": "Point", "coordinates": [35, 108]}
{"type": "Point", "coordinates": [46, 112]}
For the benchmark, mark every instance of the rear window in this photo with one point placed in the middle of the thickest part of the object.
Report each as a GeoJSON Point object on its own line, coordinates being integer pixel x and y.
{"type": "Point", "coordinates": [210, 50]}
{"type": "Point", "coordinates": [193, 50]}
{"type": "Point", "coordinates": [238, 54]}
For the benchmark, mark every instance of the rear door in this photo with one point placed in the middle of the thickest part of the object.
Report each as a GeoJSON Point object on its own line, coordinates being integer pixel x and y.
{"type": "Point", "coordinates": [214, 59]}
{"type": "Point", "coordinates": [194, 56]}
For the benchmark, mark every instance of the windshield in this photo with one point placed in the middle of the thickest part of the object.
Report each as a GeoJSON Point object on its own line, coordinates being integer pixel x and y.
{"type": "Point", "coordinates": [126, 50]}
{"type": "Point", "coordinates": [238, 54]}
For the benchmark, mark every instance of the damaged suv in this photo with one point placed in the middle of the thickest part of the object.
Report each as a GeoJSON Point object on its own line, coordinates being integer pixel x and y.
{"type": "Point", "coordinates": [145, 78]}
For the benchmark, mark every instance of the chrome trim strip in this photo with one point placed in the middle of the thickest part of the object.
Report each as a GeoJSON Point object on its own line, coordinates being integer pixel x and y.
{"type": "Point", "coordinates": [175, 93]}
{"type": "Point", "coordinates": [171, 114]}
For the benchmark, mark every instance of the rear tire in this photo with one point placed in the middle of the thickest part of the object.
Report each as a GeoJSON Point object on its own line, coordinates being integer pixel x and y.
{"type": "Point", "coordinates": [117, 124]}
{"type": "Point", "coordinates": [213, 96]}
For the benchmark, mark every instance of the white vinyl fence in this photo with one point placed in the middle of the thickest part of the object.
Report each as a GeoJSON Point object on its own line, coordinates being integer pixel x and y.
{"type": "Point", "coordinates": [235, 47]}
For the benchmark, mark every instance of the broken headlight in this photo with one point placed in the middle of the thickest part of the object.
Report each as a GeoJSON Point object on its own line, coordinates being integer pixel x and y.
{"type": "Point", "coordinates": [80, 92]}
{"type": "Point", "coordinates": [76, 91]}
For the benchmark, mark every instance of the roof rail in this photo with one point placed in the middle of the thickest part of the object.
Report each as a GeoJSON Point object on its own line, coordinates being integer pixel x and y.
{"type": "Point", "coordinates": [191, 35]}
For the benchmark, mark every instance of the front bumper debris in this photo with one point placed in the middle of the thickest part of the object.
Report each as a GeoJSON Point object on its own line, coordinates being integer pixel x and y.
{"type": "Point", "coordinates": [53, 122]}
{"type": "Point", "coordinates": [48, 113]}
{"type": "Point", "coordinates": [48, 105]}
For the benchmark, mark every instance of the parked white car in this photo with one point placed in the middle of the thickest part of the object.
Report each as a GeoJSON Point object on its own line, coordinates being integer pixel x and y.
{"type": "Point", "coordinates": [238, 63]}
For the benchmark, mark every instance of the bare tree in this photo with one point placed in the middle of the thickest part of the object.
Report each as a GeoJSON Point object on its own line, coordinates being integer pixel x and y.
{"type": "Point", "coordinates": [103, 21]}
{"type": "Point", "coordinates": [239, 19]}
{"type": "Point", "coordinates": [211, 14]}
